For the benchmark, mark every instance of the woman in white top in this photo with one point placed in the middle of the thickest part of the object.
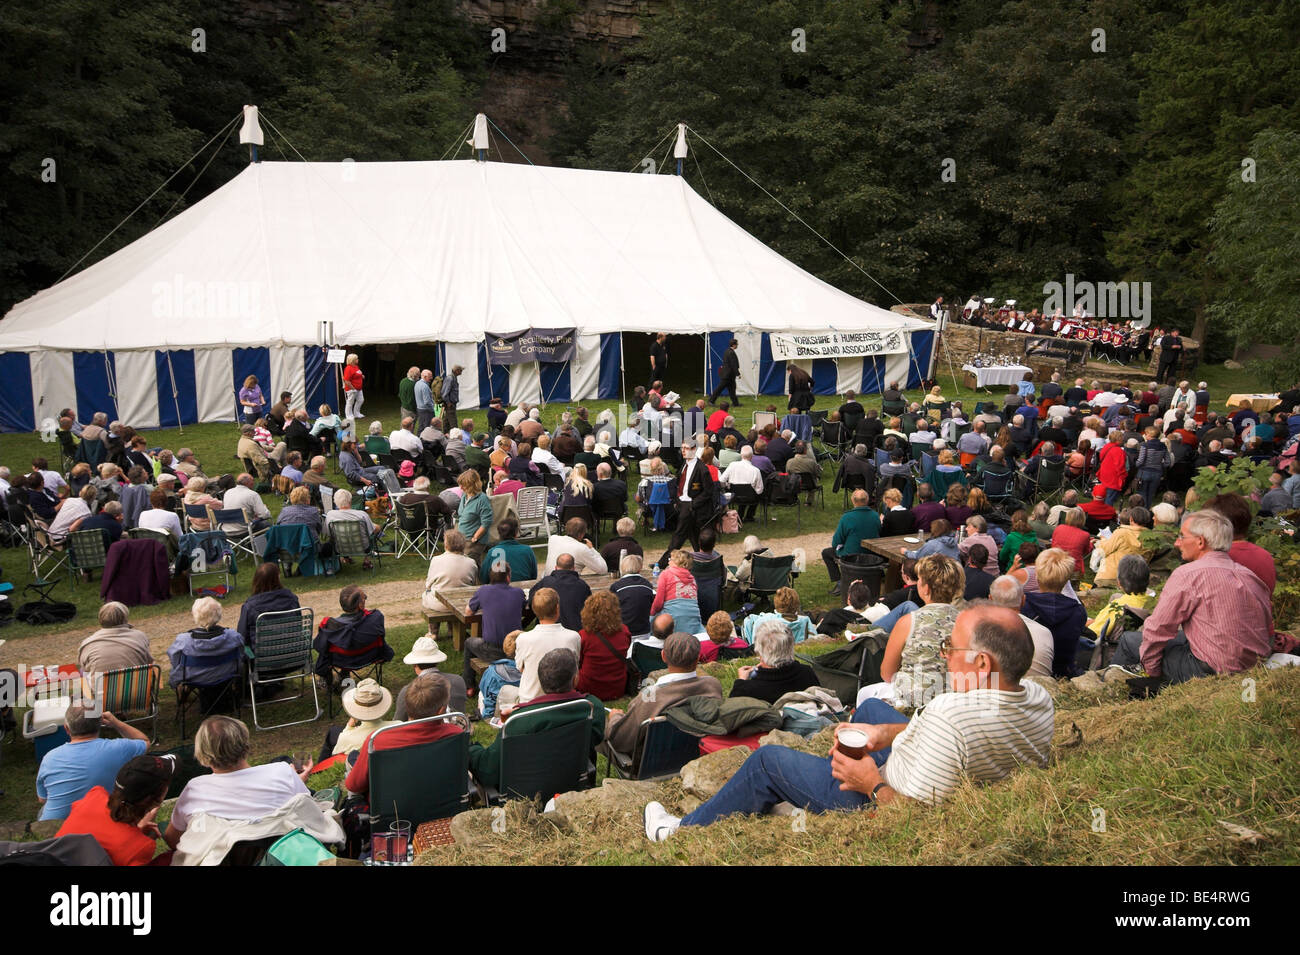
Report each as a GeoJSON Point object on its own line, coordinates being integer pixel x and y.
{"type": "Point", "coordinates": [235, 790]}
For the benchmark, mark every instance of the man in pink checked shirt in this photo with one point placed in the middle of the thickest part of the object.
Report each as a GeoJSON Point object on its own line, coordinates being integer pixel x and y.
{"type": "Point", "coordinates": [1213, 616]}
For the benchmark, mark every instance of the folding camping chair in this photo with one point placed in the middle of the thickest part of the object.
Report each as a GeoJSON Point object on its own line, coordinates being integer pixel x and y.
{"type": "Point", "coordinates": [661, 750]}
{"type": "Point", "coordinates": [281, 651]}
{"type": "Point", "coordinates": [131, 690]}
{"type": "Point", "coordinates": [554, 760]}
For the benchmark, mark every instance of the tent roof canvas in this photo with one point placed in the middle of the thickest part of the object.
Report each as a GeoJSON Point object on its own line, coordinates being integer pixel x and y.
{"type": "Point", "coordinates": [433, 251]}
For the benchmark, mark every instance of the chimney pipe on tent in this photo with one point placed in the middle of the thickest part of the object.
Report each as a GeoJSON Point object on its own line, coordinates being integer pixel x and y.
{"type": "Point", "coordinates": [480, 137]}
{"type": "Point", "coordinates": [679, 151]}
{"type": "Point", "coordinates": [251, 132]}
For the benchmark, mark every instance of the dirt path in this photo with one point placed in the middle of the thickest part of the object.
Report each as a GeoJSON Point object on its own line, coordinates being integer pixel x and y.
{"type": "Point", "coordinates": [398, 599]}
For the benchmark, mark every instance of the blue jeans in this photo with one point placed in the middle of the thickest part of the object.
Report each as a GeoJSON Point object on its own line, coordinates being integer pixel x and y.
{"type": "Point", "coordinates": [1112, 496]}
{"type": "Point", "coordinates": [886, 623]}
{"type": "Point", "coordinates": [776, 774]}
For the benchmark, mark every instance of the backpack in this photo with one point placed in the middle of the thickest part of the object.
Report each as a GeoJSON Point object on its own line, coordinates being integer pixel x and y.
{"type": "Point", "coordinates": [847, 669]}
{"type": "Point", "coordinates": [41, 612]}
{"type": "Point", "coordinates": [436, 386]}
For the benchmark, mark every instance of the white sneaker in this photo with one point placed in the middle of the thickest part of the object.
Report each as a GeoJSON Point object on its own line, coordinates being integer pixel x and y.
{"type": "Point", "coordinates": [659, 824]}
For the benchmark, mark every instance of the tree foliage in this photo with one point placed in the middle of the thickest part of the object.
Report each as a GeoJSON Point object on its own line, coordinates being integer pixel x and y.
{"type": "Point", "coordinates": [1255, 239]}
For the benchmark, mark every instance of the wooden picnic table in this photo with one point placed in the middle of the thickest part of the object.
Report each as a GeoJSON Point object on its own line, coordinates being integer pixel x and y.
{"type": "Point", "coordinates": [463, 624]}
{"type": "Point", "coordinates": [892, 548]}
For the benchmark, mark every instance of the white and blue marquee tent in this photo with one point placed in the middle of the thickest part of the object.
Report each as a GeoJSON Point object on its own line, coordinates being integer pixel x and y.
{"type": "Point", "coordinates": [288, 257]}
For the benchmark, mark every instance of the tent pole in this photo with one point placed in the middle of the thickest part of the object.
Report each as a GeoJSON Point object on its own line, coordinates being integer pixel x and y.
{"type": "Point", "coordinates": [706, 348]}
{"type": "Point", "coordinates": [171, 373]}
{"type": "Point", "coordinates": [112, 383]}
{"type": "Point", "coordinates": [622, 370]}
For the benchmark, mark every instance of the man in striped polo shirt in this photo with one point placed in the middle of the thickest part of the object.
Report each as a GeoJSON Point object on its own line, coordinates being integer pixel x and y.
{"type": "Point", "coordinates": [987, 725]}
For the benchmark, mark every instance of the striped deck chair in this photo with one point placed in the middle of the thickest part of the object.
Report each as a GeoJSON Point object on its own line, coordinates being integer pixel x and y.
{"type": "Point", "coordinates": [131, 690]}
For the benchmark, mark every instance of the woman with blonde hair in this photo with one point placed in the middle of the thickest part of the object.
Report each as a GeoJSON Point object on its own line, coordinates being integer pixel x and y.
{"type": "Point", "coordinates": [1056, 610]}
{"type": "Point", "coordinates": [678, 595]}
{"type": "Point", "coordinates": [895, 519]}
{"type": "Point", "coordinates": [474, 514]}
{"type": "Point", "coordinates": [353, 382]}
{"type": "Point", "coordinates": [577, 488]}
{"type": "Point", "coordinates": [251, 400]}
{"type": "Point", "coordinates": [914, 667]}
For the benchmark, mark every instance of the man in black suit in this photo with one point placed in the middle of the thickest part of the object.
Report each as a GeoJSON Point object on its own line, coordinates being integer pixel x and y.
{"type": "Point", "coordinates": [696, 497]}
{"type": "Point", "coordinates": [658, 360]}
{"type": "Point", "coordinates": [870, 429]}
{"type": "Point", "coordinates": [728, 372]}
{"type": "Point", "coordinates": [1171, 353]}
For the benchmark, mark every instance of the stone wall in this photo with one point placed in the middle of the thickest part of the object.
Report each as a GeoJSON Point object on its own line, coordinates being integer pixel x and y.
{"type": "Point", "coordinates": [960, 343]}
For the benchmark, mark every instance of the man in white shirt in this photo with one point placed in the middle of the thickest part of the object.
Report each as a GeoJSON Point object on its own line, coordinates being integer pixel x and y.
{"type": "Point", "coordinates": [543, 457]}
{"type": "Point", "coordinates": [744, 473]}
{"type": "Point", "coordinates": [243, 496]}
{"type": "Point", "coordinates": [631, 437]}
{"type": "Point", "coordinates": [518, 415]}
{"type": "Point", "coordinates": [532, 645]}
{"type": "Point", "coordinates": [986, 727]}
{"type": "Point", "coordinates": [406, 439]}
{"type": "Point", "coordinates": [1006, 591]}
{"type": "Point", "coordinates": [160, 517]}
{"type": "Point", "coordinates": [52, 480]}
{"type": "Point", "coordinates": [586, 559]}
{"type": "Point", "coordinates": [71, 513]}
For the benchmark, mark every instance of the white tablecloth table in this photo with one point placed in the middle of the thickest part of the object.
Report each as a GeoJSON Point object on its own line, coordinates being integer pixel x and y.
{"type": "Point", "coordinates": [997, 374]}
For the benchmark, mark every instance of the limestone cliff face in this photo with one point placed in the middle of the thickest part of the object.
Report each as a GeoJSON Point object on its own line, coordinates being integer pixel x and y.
{"type": "Point", "coordinates": [524, 87]}
{"type": "Point", "coordinates": [524, 83]}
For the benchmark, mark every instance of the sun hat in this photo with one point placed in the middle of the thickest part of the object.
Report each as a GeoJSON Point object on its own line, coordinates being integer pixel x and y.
{"type": "Point", "coordinates": [367, 700]}
{"type": "Point", "coordinates": [424, 653]}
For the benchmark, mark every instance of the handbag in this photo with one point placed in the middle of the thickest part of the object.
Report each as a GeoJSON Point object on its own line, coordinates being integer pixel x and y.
{"type": "Point", "coordinates": [631, 672]}
{"type": "Point", "coordinates": [731, 522]}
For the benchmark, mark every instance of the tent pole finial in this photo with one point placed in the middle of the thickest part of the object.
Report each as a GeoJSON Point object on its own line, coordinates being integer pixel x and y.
{"type": "Point", "coordinates": [480, 140]}
{"type": "Point", "coordinates": [251, 132]}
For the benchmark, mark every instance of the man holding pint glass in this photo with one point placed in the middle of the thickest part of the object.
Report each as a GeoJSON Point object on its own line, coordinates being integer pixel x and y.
{"type": "Point", "coordinates": [986, 726]}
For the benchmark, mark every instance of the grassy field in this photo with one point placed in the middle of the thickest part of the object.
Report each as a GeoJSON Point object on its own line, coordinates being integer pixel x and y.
{"type": "Point", "coordinates": [1148, 782]}
{"type": "Point", "coordinates": [1040, 811]}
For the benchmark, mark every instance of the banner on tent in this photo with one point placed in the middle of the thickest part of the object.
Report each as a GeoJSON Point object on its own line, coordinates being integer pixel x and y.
{"type": "Point", "coordinates": [837, 344]}
{"type": "Point", "coordinates": [533, 344]}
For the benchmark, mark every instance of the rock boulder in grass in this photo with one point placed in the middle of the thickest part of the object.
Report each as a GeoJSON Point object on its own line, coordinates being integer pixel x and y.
{"type": "Point", "coordinates": [782, 738]}
{"type": "Point", "coordinates": [473, 828]}
{"type": "Point", "coordinates": [703, 777]}
{"type": "Point", "coordinates": [618, 802]}
{"type": "Point", "coordinates": [45, 829]}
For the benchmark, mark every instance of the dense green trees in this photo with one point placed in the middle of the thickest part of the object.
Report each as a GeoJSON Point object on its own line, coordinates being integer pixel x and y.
{"type": "Point", "coordinates": [955, 147]}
